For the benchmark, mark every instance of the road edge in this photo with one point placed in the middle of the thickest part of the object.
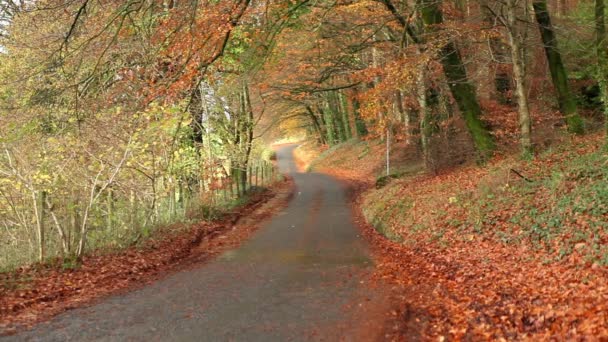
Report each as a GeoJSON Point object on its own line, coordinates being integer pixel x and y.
{"type": "Point", "coordinates": [199, 244]}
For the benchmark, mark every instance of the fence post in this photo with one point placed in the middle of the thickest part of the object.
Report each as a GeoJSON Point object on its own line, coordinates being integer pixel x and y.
{"type": "Point", "coordinates": [171, 204]}
{"type": "Point", "coordinates": [231, 183]}
{"type": "Point", "coordinates": [224, 190]}
{"type": "Point", "coordinates": [235, 179]}
{"type": "Point", "coordinates": [74, 218]}
{"type": "Point", "coordinates": [237, 186]}
{"type": "Point", "coordinates": [181, 197]}
{"type": "Point", "coordinates": [249, 174]}
{"type": "Point", "coordinates": [272, 173]}
{"type": "Point", "coordinates": [39, 203]}
{"type": "Point", "coordinates": [268, 180]}
{"type": "Point", "coordinates": [110, 208]}
{"type": "Point", "coordinates": [135, 206]}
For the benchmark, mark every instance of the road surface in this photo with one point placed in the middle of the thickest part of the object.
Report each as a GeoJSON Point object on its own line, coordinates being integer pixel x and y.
{"type": "Point", "coordinates": [298, 279]}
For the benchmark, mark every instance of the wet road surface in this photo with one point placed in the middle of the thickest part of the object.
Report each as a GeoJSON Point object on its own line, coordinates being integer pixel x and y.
{"type": "Point", "coordinates": [298, 279]}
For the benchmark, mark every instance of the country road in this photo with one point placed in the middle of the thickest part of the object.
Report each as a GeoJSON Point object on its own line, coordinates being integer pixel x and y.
{"type": "Point", "coordinates": [302, 277]}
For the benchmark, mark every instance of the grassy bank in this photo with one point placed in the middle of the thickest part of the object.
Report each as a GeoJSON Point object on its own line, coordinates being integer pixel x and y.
{"type": "Point", "coordinates": [556, 203]}
{"type": "Point", "coordinates": [515, 249]}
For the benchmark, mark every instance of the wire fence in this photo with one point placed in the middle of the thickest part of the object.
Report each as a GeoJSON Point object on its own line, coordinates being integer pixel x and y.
{"type": "Point", "coordinates": [42, 225]}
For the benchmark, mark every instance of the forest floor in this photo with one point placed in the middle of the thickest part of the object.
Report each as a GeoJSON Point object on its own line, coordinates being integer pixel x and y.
{"type": "Point", "coordinates": [513, 250]}
{"type": "Point", "coordinates": [37, 293]}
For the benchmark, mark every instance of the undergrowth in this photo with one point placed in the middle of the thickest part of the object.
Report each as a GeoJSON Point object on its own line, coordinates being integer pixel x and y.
{"type": "Point", "coordinates": [556, 204]}
{"type": "Point", "coordinates": [117, 240]}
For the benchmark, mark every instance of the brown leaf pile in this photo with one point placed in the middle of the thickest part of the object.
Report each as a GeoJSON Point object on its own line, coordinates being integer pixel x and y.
{"type": "Point", "coordinates": [470, 286]}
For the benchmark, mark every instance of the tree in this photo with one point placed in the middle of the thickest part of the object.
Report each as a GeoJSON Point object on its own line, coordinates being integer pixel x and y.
{"type": "Point", "coordinates": [509, 16]}
{"type": "Point", "coordinates": [601, 49]}
{"type": "Point", "coordinates": [461, 88]}
{"type": "Point", "coordinates": [565, 99]}
{"type": "Point", "coordinates": [516, 36]}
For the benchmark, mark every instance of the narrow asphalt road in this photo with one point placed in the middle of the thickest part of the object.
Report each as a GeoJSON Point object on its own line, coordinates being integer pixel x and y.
{"type": "Point", "coordinates": [298, 279]}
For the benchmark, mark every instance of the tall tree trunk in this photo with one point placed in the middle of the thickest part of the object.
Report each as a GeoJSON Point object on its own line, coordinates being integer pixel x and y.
{"type": "Point", "coordinates": [248, 132]}
{"type": "Point", "coordinates": [405, 116]}
{"type": "Point", "coordinates": [567, 103]}
{"type": "Point", "coordinates": [329, 125]}
{"type": "Point", "coordinates": [561, 8]}
{"type": "Point", "coordinates": [352, 117]}
{"type": "Point", "coordinates": [376, 79]}
{"type": "Point", "coordinates": [516, 40]}
{"type": "Point", "coordinates": [60, 229]}
{"type": "Point", "coordinates": [462, 90]}
{"type": "Point", "coordinates": [424, 115]}
{"type": "Point", "coordinates": [345, 116]}
{"type": "Point", "coordinates": [359, 122]}
{"type": "Point", "coordinates": [602, 56]}
{"type": "Point", "coordinates": [499, 53]}
{"type": "Point", "coordinates": [388, 150]}
{"type": "Point", "coordinates": [317, 126]}
{"type": "Point", "coordinates": [334, 110]}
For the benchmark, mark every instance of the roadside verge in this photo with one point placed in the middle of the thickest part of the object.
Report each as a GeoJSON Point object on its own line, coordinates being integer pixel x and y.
{"type": "Point", "coordinates": [34, 294]}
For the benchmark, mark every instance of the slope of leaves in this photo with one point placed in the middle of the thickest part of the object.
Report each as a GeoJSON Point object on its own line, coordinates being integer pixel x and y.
{"type": "Point", "coordinates": [482, 253]}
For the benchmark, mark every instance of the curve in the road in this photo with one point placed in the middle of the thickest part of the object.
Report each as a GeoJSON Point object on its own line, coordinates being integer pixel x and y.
{"type": "Point", "coordinates": [298, 278]}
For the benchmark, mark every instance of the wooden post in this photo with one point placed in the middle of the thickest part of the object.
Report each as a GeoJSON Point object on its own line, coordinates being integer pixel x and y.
{"type": "Point", "coordinates": [180, 195]}
{"type": "Point", "coordinates": [249, 169]}
{"type": "Point", "coordinates": [39, 211]}
{"type": "Point", "coordinates": [109, 208]}
{"type": "Point", "coordinates": [388, 151]}
{"type": "Point", "coordinates": [267, 173]}
{"type": "Point", "coordinates": [231, 183]}
{"type": "Point", "coordinates": [224, 190]}
{"type": "Point", "coordinates": [175, 198]}
{"type": "Point", "coordinates": [237, 180]}
{"type": "Point", "coordinates": [132, 214]}
{"type": "Point", "coordinates": [74, 222]}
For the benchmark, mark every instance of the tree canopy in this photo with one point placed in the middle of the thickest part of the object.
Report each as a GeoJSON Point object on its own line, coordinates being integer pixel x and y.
{"type": "Point", "coordinates": [104, 105]}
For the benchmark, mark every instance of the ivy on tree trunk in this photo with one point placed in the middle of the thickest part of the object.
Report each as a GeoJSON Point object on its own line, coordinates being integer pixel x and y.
{"type": "Point", "coordinates": [460, 87]}
{"type": "Point", "coordinates": [567, 103]}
